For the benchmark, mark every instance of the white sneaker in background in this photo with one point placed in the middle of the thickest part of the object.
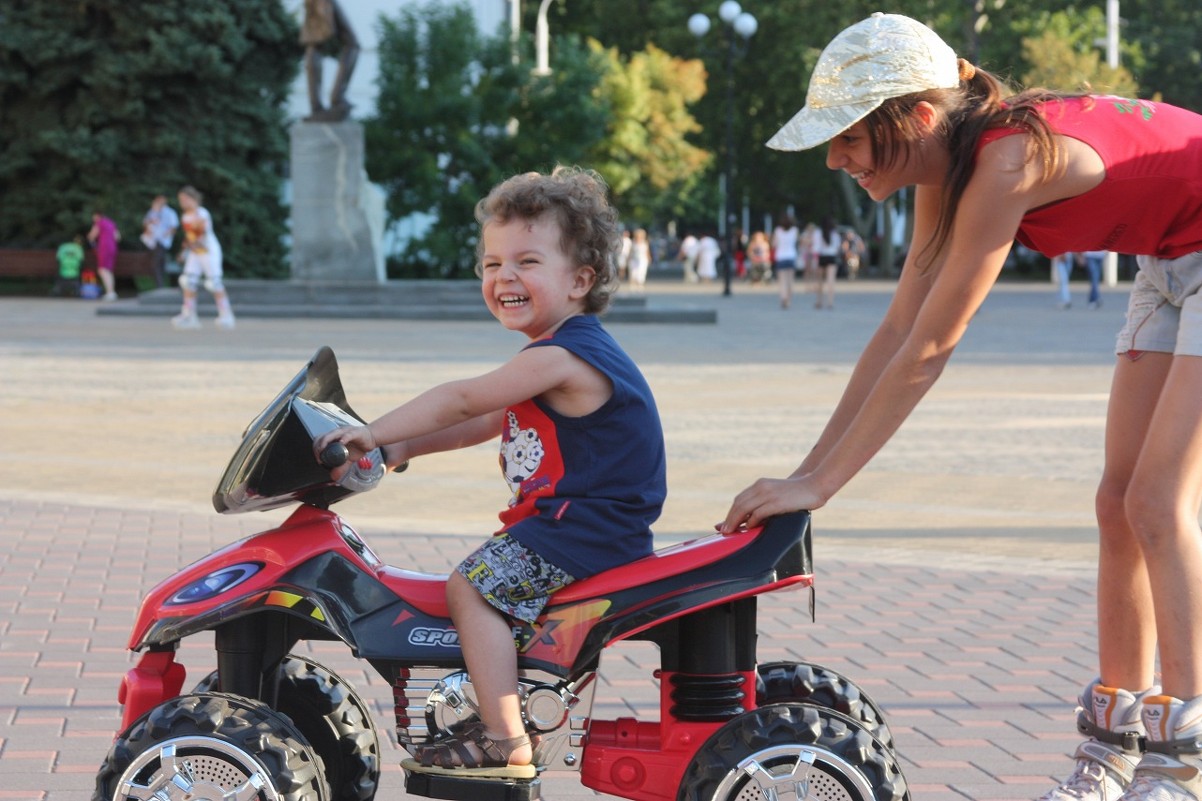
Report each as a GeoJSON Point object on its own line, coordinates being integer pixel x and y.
{"type": "Point", "coordinates": [185, 321]}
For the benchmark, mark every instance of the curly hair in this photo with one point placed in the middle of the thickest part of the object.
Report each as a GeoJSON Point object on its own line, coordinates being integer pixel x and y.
{"type": "Point", "coordinates": [979, 103]}
{"type": "Point", "coordinates": [588, 223]}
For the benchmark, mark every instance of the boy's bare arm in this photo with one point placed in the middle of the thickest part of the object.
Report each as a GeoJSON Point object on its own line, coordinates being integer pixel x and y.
{"type": "Point", "coordinates": [449, 412]}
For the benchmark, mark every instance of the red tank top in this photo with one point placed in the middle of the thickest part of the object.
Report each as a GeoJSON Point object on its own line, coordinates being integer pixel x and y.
{"type": "Point", "coordinates": [1149, 203]}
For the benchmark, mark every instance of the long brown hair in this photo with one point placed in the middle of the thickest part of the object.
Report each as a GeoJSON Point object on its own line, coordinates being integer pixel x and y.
{"type": "Point", "coordinates": [978, 104]}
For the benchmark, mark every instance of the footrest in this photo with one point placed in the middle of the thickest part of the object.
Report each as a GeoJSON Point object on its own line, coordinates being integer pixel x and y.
{"type": "Point", "coordinates": [455, 788]}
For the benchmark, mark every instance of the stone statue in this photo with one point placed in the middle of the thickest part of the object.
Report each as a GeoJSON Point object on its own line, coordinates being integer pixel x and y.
{"type": "Point", "coordinates": [324, 24]}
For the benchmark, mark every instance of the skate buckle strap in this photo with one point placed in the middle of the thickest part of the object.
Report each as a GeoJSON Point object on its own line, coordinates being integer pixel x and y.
{"type": "Point", "coordinates": [1190, 745]}
{"type": "Point", "coordinates": [1130, 741]}
{"type": "Point", "coordinates": [1105, 756]}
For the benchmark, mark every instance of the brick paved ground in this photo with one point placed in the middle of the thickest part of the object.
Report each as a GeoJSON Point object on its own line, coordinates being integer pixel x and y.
{"type": "Point", "coordinates": [954, 575]}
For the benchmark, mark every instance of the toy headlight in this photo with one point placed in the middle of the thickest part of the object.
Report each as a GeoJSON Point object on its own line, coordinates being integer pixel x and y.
{"type": "Point", "coordinates": [215, 583]}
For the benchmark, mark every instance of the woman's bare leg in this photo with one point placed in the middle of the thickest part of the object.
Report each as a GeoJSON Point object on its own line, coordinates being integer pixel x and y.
{"type": "Point", "coordinates": [1126, 623]}
{"type": "Point", "coordinates": [1162, 504]}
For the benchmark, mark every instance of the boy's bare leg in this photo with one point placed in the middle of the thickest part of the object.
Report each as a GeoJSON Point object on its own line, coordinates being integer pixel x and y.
{"type": "Point", "coordinates": [486, 637]}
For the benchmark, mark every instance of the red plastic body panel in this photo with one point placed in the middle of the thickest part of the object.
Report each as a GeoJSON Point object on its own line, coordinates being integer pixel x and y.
{"type": "Point", "coordinates": [156, 678]}
{"type": "Point", "coordinates": [307, 533]}
{"type": "Point", "coordinates": [646, 760]}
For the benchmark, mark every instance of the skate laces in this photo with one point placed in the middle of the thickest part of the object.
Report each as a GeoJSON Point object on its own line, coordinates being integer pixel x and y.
{"type": "Point", "coordinates": [1088, 781]}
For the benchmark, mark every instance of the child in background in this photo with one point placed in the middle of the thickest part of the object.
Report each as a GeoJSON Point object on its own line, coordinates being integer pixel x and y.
{"type": "Point", "coordinates": [202, 259]}
{"type": "Point", "coordinates": [70, 260]}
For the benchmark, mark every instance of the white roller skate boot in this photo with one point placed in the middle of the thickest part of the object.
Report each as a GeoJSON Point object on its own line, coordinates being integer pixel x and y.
{"type": "Point", "coordinates": [1171, 769]}
{"type": "Point", "coordinates": [1106, 762]}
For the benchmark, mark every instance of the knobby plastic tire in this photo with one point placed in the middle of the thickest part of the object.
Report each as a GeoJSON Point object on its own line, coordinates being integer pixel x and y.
{"type": "Point", "coordinates": [246, 736]}
{"type": "Point", "coordinates": [765, 745]}
{"type": "Point", "coordinates": [808, 683]}
{"type": "Point", "coordinates": [334, 719]}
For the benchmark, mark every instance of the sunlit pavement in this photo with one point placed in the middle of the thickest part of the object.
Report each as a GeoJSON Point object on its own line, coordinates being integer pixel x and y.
{"type": "Point", "coordinates": [954, 575]}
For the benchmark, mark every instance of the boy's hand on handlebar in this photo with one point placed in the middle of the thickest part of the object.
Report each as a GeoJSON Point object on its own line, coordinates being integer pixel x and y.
{"type": "Point", "coordinates": [768, 497]}
{"type": "Point", "coordinates": [358, 440]}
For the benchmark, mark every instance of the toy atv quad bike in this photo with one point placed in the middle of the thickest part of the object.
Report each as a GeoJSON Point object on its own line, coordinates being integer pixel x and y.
{"type": "Point", "coordinates": [268, 724]}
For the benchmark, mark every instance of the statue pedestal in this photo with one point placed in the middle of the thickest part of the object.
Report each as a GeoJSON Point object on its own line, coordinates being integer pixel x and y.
{"type": "Point", "coordinates": [337, 217]}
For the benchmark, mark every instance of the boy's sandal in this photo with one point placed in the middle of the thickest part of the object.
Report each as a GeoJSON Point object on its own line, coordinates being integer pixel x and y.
{"type": "Point", "coordinates": [451, 756]}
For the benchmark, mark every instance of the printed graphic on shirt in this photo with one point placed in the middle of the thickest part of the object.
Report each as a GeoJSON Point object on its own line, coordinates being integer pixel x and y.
{"type": "Point", "coordinates": [1125, 106]}
{"type": "Point", "coordinates": [530, 460]}
{"type": "Point", "coordinates": [521, 455]}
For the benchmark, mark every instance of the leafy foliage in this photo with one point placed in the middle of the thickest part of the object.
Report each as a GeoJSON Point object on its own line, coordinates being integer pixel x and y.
{"type": "Point", "coordinates": [1169, 35]}
{"type": "Point", "coordinates": [104, 104]}
{"type": "Point", "coordinates": [1161, 52]}
{"type": "Point", "coordinates": [443, 97]}
{"type": "Point", "coordinates": [645, 156]}
{"type": "Point", "coordinates": [1063, 56]}
{"type": "Point", "coordinates": [456, 115]}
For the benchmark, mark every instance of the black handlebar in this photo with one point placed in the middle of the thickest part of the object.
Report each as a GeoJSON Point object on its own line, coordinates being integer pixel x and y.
{"type": "Point", "coordinates": [334, 455]}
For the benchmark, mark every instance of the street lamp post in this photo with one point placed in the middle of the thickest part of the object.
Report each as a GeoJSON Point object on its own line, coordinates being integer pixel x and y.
{"type": "Point", "coordinates": [1110, 267]}
{"type": "Point", "coordinates": [542, 61]}
{"type": "Point", "coordinates": [739, 25]}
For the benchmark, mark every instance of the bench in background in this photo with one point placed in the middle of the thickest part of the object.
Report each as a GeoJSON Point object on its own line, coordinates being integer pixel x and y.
{"type": "Point", "coordinates": [41, 264]}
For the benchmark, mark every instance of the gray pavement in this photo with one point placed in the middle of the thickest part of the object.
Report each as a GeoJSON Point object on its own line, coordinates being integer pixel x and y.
{"type": "Point", "coordinates": [954, 575]}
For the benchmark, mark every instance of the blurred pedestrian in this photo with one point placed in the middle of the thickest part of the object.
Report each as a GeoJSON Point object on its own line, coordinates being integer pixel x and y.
{"type": "Point", "coordinates": [104, 237]}
{"type": "Point", "coordinates": [688, 257]}
{"type": "Point", "coordinates": [158, 233]}
{"type": "Point", "coordinates": [624, 255]}
{"type": "Point", "coordinates": [853, 253]}
{"type": "Point", "coordinates": [640, 259]}
{"type": "Point", "coordinates": [708, 253]}
{"type": "Point", "coordinates": [1062, 271]}
{"type": "Point", "coordinates": [1093, 267]}
{"type": "Point", "coordinates": [202, 259]}
{"type": "Point", "coordinates": [759, 257]}
{"type": "Point", "coordinates": [825, 246]}
{"type": "Point", "coordinates": [785, 238]}
{"type": "Point", "coordinates": [738, 243]}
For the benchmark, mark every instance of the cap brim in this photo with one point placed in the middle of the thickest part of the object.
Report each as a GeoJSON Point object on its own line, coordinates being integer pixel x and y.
{"type": "Point", "coordinates": [811, 127]}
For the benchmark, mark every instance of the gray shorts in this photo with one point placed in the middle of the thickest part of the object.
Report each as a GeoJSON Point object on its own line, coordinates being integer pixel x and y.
{"type": "Point", "coordinates": [1164, 313]}
{"type": "Point", "coordinates": [512, 578]}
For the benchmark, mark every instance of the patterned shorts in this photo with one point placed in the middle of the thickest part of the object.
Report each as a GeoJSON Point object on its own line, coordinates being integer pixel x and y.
{"type": "Point", "coordinates": [513, 578]}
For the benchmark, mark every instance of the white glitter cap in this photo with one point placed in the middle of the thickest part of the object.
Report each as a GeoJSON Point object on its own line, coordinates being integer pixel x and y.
{"type": "Point", "coordinates": [882, 57]}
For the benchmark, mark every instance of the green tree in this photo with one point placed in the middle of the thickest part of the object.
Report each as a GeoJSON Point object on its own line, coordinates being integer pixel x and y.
{"type": "Point", "coordinates": [769, 74]}
{"type": "Point", "coordinates": [646, 157]}
{"type": "Point", "coordinates": [559, 118]}
{"type": "Point", "coordinates": [1161, 47]}
{"type": "Point", "coordinates": [1063, 56]}
{"type": "Point", "coordinates": [457, 113]}
{"type": "Point", "coordinates": [1169, 36]}
{"type": "Point", "coordinates": [444, 117]}
{"type": "Point", "coordinates": [429, 143]}
{"type": "Point", "coordinates": [104, 103]}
